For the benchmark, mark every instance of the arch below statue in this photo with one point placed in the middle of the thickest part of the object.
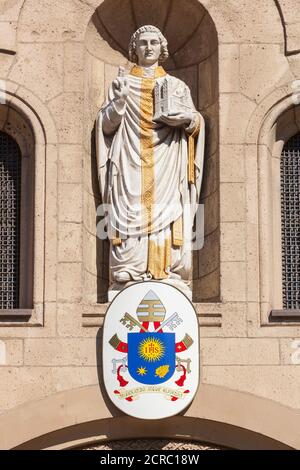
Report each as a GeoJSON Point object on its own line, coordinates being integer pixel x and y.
{"type": "Point", "coordinates": [218, 416]}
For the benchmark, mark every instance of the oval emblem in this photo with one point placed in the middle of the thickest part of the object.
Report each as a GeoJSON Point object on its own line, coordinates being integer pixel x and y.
{"type": "Point", "coordinates": [151, 351]}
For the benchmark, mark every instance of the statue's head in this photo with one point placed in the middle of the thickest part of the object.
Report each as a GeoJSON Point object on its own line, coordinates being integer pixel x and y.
{"type": "Point", "coordinates": [148, 46]}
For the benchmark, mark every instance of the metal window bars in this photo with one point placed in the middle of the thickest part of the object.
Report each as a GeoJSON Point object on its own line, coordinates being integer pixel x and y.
{"type": "Point", "coordinates": [290, 220]}
{"type": "Point", "coordinates": [10, 202]}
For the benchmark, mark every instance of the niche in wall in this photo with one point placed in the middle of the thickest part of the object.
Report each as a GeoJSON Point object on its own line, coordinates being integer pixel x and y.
{"type": "Point", "coordinates": [193, 47]}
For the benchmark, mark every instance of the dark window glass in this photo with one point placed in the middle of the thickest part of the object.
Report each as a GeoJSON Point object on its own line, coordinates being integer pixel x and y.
{"type": "Point", "coordinates": [10, 200]}
{"type": "Point", "coordinates": [290, 217]}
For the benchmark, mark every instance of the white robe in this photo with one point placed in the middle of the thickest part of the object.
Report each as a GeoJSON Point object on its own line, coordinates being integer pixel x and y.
{"type": "Point", "coordinates": [122, 182]}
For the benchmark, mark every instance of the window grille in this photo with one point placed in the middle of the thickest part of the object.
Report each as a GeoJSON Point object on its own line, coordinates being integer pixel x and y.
{"type": "Point", "coordinates": [290, 218]}
{"type": "Point", "coordinates": [10, 201]}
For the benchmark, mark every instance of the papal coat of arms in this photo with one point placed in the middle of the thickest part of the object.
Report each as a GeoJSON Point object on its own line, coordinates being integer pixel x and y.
{"type": "Point", "coordinates": [151, 351]}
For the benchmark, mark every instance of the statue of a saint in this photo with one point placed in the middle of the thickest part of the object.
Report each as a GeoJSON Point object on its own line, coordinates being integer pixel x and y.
{"type": "Point", "coordinates": [150, 146]}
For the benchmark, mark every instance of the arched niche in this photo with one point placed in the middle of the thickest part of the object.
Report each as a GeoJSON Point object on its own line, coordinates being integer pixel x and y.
{"type": "Point", "coordinates": [193, 47]}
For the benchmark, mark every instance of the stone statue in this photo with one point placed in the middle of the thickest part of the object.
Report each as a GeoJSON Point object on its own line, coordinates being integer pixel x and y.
{"type": "Point", "coordinates": [150, 146]}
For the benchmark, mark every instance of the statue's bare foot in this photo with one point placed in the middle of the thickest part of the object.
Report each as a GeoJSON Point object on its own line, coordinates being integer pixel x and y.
{"type": "Point", "coordinates": [122, 277]}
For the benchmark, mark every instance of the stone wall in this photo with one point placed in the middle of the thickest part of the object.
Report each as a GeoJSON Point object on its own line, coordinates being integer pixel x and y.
{"type": "Point", "coordinates": [56, 63]}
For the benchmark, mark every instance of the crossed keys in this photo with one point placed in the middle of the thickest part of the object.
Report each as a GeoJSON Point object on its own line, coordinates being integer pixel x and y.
{"type": "Point", "coordinates": [172, 322]}
{"type": "Point", "coordinates": [183, 361]}
{"type": "Point", "coordinates": [129, 322]}
{"type": "Point", "coordinates": [116, 362]}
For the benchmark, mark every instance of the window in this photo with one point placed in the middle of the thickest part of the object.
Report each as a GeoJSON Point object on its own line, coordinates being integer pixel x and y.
{"type": "Point", "coordinates": [290, 219]}
{"type": "Point", "coordinates": [10, 202]}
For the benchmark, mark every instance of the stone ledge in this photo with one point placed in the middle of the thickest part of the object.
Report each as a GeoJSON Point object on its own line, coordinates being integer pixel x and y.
{"type": "Point", "coordinates": [8, 51]}
{"type": "Point", "coordinates": [284, 316]}
{"type": "Point", "coordinates": [93, 315]}
{"type": "Point", "coordinates": [22, 317]}
{"type": "Point", "coordinates": [15, 313]}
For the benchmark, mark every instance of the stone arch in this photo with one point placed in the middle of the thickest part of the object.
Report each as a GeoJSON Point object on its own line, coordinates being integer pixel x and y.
{"type": "Point", "coordinates": [290, 18]}
{"type": "Point", "coordinates": [275, 120]}
{"type": "Point", "coordinates": [28, 122]}
{"type": "Point", "coordinates": [194, 59]}
{"type": "Point", "coordinates": [14, 124]}
{"type": "Point", "coordinates": [218, 416]}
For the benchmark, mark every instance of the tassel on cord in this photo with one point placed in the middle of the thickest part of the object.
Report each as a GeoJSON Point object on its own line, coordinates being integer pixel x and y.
{"type": "Point", "coordinates": [191, 150]}
{"type": "Point", "coordinates": [191, 159]}
{"type": "Point", "coordinates": [117, 241]}
{"type": "Point", "coordinates": [182, 379]}
{"type": "Point", "coordinates": [177, 231]}
{"type": "Point", "coordinates": [121, 380]}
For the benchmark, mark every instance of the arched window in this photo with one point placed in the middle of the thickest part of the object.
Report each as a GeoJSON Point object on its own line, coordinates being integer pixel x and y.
{"type": "Point", "coordinates": [10, 203]}
{"type": "Point", "coordinates": [290, 220]}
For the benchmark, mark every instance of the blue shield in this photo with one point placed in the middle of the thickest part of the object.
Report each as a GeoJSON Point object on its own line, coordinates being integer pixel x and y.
{"type": "Point", "coordinates": [151, 357]}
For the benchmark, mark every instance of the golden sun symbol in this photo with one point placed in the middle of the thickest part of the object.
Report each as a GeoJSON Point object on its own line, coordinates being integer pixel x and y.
{"type": "Point", "coordinates": [151, 349]}
{"type": "Point", "coordinates": [142, 371]}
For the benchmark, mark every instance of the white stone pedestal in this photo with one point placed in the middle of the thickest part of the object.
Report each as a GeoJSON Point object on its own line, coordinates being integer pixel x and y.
{"type": "Point", "coordinates": [116, 288]}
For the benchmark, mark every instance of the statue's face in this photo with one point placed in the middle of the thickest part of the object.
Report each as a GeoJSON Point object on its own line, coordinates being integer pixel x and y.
{"type": "Point", "coordinates": [148, 49]}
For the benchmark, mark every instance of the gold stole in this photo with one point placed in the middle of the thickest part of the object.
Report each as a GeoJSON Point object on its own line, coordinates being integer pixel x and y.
{"type": "Point", "coordinates": [159, 256]}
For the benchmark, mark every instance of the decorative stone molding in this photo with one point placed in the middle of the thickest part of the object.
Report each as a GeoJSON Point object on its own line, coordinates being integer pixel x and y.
{"type": "Point", "coordinates": [218, 416]}
{"type": "Point", "coordinates": [208, 314]}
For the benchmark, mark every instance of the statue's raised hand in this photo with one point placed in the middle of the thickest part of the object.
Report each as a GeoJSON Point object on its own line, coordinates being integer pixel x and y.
{"type": "Point", "coordinates": [121, 88]}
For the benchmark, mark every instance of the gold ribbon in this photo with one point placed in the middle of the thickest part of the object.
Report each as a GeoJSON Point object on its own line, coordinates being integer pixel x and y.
{"type": "Point", "coordinates": [191, 144]}
{"type": "Point", "coordinates": [117, 241]}
{"type": "Point", "coordinates": [177, 232]}
{"type": "Point", "coordinates": [159, 259]}
{"type": "Point", "coordinates": [137, 71]}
